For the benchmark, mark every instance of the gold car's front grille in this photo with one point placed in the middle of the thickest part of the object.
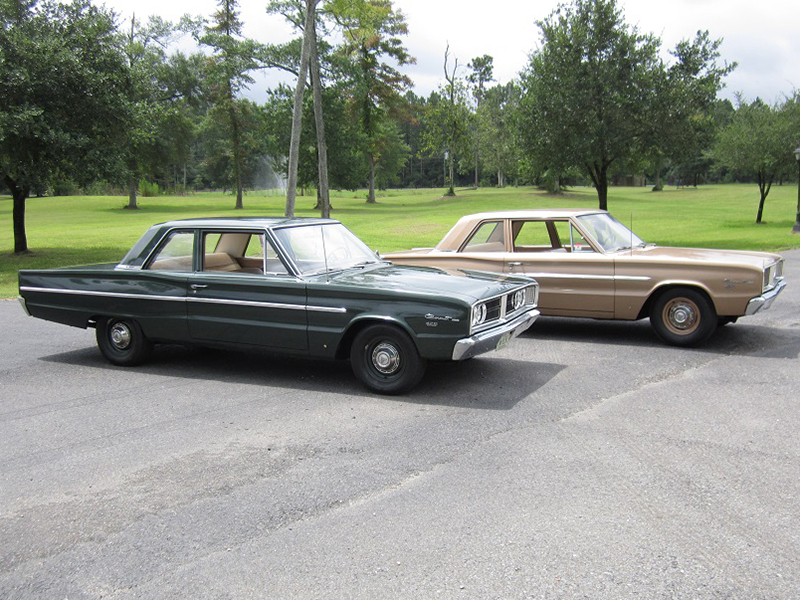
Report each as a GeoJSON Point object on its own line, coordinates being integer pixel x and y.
{"type": "Point", "coordinates": [772, 275]}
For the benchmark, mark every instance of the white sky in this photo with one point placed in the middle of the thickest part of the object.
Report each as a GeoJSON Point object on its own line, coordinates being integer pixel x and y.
{"type": "Point", "coordinates": [763, 37]}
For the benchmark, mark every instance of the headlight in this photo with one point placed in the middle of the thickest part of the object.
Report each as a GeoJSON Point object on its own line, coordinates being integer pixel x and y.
{"type": "Point", "coordinates": [478, 314]}
{"type": "Point", "coordinates": [518, 299]}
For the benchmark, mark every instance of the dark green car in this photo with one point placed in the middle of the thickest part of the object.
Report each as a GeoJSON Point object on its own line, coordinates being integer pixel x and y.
{"type": "Point", "coordinates": [300, 286]}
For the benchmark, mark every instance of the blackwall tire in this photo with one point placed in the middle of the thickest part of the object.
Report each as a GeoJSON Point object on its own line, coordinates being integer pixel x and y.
{"type": "Point", "coordinates": [122, 342]}
{"type": "Point", "coordinates": [385, 359]}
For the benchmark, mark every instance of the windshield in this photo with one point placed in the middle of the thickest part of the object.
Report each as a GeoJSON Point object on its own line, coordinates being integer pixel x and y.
{"type": "Point", "coordinates": [321, 248]}
{"type": "Point", "coordinates": [609, 233]}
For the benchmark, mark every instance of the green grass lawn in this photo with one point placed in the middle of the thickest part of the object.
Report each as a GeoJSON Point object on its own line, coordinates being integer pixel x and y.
{"type": "Point", "coordinates": [91, 229]}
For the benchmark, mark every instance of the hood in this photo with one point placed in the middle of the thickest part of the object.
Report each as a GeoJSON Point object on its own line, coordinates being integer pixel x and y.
{"type": "Point", "coordinates": [469, 286]}
{"type": "Point", "coordinates": [704, 256]}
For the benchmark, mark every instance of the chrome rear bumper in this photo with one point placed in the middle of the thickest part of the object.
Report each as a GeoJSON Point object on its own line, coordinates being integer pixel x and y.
{"type": "Point", "coordinates": [24, 306]}
{"type": "Point", "coordinates": [495, 338]}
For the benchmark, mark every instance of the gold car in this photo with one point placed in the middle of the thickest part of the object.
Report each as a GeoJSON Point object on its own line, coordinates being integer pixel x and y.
{"type": "Point", "coordinates": [588, 264]}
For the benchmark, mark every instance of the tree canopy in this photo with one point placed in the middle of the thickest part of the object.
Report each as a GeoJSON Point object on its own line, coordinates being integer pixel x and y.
{"type": "Point", "coordinates": [63, 97]}
{"type": "Point", "coordinates": [594, 93]}
{"type": "Point", "coordinates": [760, 141]}
{"type": "Point", "coordinates": [88, 100]}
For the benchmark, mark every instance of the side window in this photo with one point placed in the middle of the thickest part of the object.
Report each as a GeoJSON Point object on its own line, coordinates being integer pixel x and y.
{"type": "Point", "coordinates": [530, 236]}
{"type": "Point", "coordinates": [175, 254]}
{"type": "Point", "coordinates": [219, 251]}
{"type": "Point", "coordinates": [489, 237]}
{"type": "Point", "coordinates": [210, 242]}
{"type": "Point", "coordinates": [571, 238]}
{"type": "Point", "coordinates": [255, 247]}
{"type": "Point", "coordinates": [273, 264]}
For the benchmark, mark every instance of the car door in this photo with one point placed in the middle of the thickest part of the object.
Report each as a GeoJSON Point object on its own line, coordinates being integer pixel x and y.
{"type": "Point", "coordinates": [575, 278]}
{"type": "Point", "coordinates": [159, 289]}
{"type": "Point", "coordinates": [232, 301]}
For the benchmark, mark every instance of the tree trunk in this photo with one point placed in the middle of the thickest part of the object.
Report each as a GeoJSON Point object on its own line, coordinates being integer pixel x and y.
{"type": "Point", "coordinates": [476, 166]}
{"type": "Point", "coordinates": [19, 194]}
{"type": "Point", "coordinates": [599, 176]}
{"type": "Point", "coordinates": [237, 149]}
{"type": "Point", "coordinates": [764, 185]}
{"type": "Point", "coordinates": [450, 175]}
{"type": "Point", "coordinates": [657, 186]}
{"type": "Point", "coordinates": [602, 191]}
{"type": "Point", "coordinates": [371, 193]}
{"type": "Point", "coordinates": [297, 113]}
{"type": "Point", "coordinates": [323, 193]}
{"type": "Point", "coordinates": [132, 189]}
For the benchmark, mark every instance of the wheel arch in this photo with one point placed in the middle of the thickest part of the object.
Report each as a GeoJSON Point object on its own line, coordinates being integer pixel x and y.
{"type": "Point", "coordinates": [362, 322]}
{"type": "Point", "coordinates": [667, 286]}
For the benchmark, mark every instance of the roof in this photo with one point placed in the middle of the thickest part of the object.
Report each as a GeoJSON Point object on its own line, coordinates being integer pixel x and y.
{"type": "Point", "coordinates": [540, 213]}
{"type": "Point", "coordinates": [245, 222]}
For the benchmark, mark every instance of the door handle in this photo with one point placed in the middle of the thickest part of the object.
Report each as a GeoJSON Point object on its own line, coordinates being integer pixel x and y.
{"type": "Point", "coordinates": [198, 286]}
{"type": "Point", "coordinates": [515, 264]}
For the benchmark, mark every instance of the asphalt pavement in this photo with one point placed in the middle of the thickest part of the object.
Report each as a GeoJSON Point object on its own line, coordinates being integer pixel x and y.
{"type": "Point", "coordinates": [586, 460]}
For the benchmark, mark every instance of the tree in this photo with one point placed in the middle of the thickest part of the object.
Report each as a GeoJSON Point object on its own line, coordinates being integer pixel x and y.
{"type": "Point", "coordinates": [685, 106]}
{"type": "Point", "coordinates": [448, 120]}
{"type": "Point", "coordinates": [63, 106]}
{"type": "Point", "coordinates": [228, 74]}
{"type": "Point", "coordinates": [346, 167]}
{"type": "Point", "coordinates": [588, 92]}
{"type": "Point", "coordinates": [144, 47]}
{"type": "Point", "coordinates": [481, 69]}
{"type": "Point", "coordinates": [372, 30]}
{"type": "Point", "coordinates": [759, 141]}
{"type": "Point", "coordinates": [496, 130]}
{"type": "Point", "coordinates": [217, 164]}
{"type": "Point", "coordinates": [297, 113]}
{"type": "Point", "coordinates": [304, 17]}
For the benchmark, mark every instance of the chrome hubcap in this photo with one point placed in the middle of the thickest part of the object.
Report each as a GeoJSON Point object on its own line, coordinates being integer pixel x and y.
{"type": "Point", "coordinates": [120, 336]}
{"type": "Point", "coordinates": [386, 358]}
{"type": "Point", "coordinates": [682, 315]}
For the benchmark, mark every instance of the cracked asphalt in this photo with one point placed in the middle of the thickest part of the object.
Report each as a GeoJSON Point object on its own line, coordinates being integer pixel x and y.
{"type": "Point", "coordinates": [586, 460]}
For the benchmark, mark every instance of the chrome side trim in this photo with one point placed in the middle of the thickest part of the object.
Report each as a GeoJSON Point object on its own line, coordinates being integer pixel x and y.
{"type": "Point", "coordinates": [278, 305]}
{"type": "Point", "coordinates": [589, 277]}
{"type": "Point", "coordinates": [324, 309]}
{"type": "Point", "coordinates": [102, 294]}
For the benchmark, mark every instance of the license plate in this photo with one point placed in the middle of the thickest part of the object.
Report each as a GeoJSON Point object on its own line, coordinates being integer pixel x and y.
{"type": "Point", "coordinates": [503, 341]}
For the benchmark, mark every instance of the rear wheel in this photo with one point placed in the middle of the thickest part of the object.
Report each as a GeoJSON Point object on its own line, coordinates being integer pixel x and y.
{"type": "Point", "coordinates": [122, 341]}
{"type": "Point", "coordinates": [386, 360]}
{"type": "Point", "coordinates": [683, 317]}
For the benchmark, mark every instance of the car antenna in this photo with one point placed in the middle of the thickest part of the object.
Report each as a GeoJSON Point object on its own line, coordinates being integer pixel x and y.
{"type": "Point", "coordinates": [631, 230]}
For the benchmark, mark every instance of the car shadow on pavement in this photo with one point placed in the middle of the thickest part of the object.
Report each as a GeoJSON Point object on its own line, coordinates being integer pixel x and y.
{"type": "Point", "coordinates": [741, 339]}
{"type": "Point", "coordinates": [483, 383]}
{"type": "Point", "coordinates": [599, 331]}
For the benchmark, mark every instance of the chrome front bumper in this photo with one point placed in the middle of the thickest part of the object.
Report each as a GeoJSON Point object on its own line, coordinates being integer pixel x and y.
{"type": "Point", "coordinates": [493, 339]}
{"type": "Point", "coordinates": [764, 301]}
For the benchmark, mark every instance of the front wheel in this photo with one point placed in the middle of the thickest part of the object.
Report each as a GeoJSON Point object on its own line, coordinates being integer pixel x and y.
{"type": "Point", "coordinates": [386, 360]}
{"type": "Point", "coordinates": [683, 317]}
{"type": "Point", "coordinates": [122, 341]}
